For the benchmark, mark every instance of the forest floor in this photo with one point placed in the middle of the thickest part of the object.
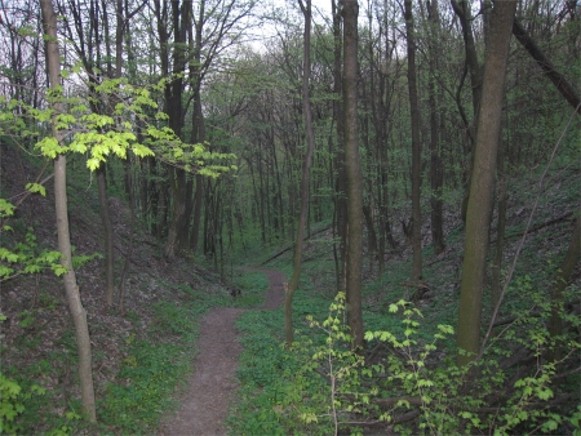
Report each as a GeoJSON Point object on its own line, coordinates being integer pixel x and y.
{"type": "Point", "coordinates": [179, 310]}
{"type": "Point", "coordinates": [206, 400]}
{"type": "Point", "coordinates": [168, 305]}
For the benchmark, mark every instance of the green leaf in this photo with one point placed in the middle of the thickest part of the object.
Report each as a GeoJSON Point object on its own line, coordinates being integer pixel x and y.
{"type": "Point", "coordinates": [78, 146]}
{"type": "Point", "coordinates": [36, 188]}
{"type": "Point", "coordinates": [544, 393]}
{"type": "Point", "coordinates": [8, 255]}
{"type": "Point", "coordinates": [6, 272]}
{"type": "Point", "coordinates": [93, 164]}
{"type": "Point", "coordinates": [6, 208]}
{"type": "Point", "coordinates": [58, 270]}
{"type": "Point", "coordinates": [49, 147]}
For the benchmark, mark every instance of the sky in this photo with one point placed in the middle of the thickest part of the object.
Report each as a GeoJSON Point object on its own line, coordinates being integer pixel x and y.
{"type": "Point", "coordinates": [266, 33]}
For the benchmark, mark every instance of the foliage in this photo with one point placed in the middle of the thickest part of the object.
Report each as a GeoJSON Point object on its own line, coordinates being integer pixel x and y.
{"type": "Point", "coordinates": [24, 257]}
{"type": "Point", "coordinates": [262, 387]}
{"type": "Point", "coordinates": [12, 403]}
{"type": "Point", "coordinates": [126, 118]}
{"type": "Point", "coordinates": [410, 382]}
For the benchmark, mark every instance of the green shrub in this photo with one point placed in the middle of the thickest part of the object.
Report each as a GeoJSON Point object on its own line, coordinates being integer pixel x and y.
{"type": "Point", "coordinates": [413, 385]}
{"type": "Point", "coordinates": [12, 403]}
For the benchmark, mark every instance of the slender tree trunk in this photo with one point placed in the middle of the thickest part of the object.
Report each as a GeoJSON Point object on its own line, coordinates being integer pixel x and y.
{"type": "Point", "coordinates": [564, 277]}
{"type": "Point", "coordinates": [340, 198]}
{"type": "Point", "coordinates": [462, 10]}
{"type": "Point", "coordinates": [178, 190]}
{"type": "Point", "coordinates": [353, 170]}
{"type": "Point", "coordinates": [305, 179]}
{"type": "Point", "coordinates": [436, 127]}
{"type": "Point", "coordinates": [561, 83]}
{"type": "Point", "coordinates": [416, 126]}
{"type": "Point", "coordinates": [197, 211]}
{"type": "Point", "coordinates": [108, 235]}
{"type": "Point", "coordinates": [482, 181]}
{"type": "Point", "coordinates": [76, 308]}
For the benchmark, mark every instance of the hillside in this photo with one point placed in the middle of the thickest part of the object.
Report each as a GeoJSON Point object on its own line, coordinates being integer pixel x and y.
{"type": "Point", "coordinates": [38, 344]}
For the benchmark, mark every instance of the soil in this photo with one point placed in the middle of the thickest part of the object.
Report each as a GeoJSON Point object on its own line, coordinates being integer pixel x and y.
{"type": "Point", "coordinates": [211, 389]}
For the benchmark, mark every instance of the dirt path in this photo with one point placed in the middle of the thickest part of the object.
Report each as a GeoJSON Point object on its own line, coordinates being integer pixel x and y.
{"type": "Point", "coordinates": [205, 403]}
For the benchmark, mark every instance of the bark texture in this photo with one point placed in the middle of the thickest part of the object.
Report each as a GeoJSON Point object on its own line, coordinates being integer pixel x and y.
{"type": "Point", "coordinates": [483, 180]}
{"type": "Point", "coordinates": [353, 170]}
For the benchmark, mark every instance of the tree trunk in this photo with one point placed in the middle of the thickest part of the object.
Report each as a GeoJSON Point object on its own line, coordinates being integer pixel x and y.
{"type": "Point", "coordinates": [340, 213]}
{"type": "Point", "coordinates": [175, 110]}
{"type": "Point", "coordinates": [305, 179]}
{"type": "Point", "coordinates": [564, 277]}
{"type": "Point", "coordinates": [178, 190]}
{"type": "Point", "coordinates": [107, 235]}
{"type": "Point", "coordinates": [462, 10]}
{"type": "Point", "coordinates": [353, 170]}
{"type": "Point", "coordinates": [482, 181]}
{"type": "Point", "coordinates": [416, 125]}
{"type": "Point", "coordinates": [436, 127]}
{"type": "Point", "coordinates": [561, 83]}
{"type": "Point", "coordinates": [76, 308]}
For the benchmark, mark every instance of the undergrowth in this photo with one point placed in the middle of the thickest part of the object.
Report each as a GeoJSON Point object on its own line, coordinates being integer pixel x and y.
{"type": "Point", "coordinates": [407, 382]}
{"type": "Point", "coordinates": [145, 387]}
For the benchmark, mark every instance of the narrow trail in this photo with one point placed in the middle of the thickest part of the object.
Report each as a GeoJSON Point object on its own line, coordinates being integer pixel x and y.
{"type": "Point", "coordinates": [211, 389]}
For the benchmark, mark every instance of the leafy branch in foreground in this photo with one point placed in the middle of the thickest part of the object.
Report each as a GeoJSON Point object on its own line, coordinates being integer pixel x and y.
{"type": "Point", "coordinates": [23, 256]}
{"type": "Point", "coordinates": [411, 384]}
{"type": "Point", "coordinates": [132, 123]}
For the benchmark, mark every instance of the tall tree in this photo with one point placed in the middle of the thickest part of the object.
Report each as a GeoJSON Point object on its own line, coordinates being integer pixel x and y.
{"type": "Point", "coordinates": [416, 126]}
{"type": "Point", "coordinates": [305, 175]}
{"type": "Point", "coordinates": [76, 308]}
{"type": "Point", "coordinates": [353, 171]}
{"type": "Point", "coordinates": [88, 31]}
{"type": "Point", "coordinates": [462, 10]}
{"type": "Point", "coordinates": [340, 191]}
{"type": "Point", "coordinates": [174, 52]}
{"type": "Point", "coordinates": [482, 180]}
{"type": "Point", "coordinates": [436, 127]}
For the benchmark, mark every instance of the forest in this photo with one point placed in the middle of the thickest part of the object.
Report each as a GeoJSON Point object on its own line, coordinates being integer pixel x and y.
{"type": "Point", "coordinates": [374, 205]}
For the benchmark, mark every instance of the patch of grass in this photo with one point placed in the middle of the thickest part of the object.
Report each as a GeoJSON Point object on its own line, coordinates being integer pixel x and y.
{"type": "Point", "coordinates": [172, 320]}
{"type": "Point", "coordinates": [253, 285]}
{"type": "Point", "coordinates": [144, 387]}
{"type": "Point", "coordinates": [156, 362]}
{"type": "Point", "coordinates": [31, 378]}
{"type": "Point", "coordinates": [266, 368]}
{"type": "Point", "coordinates": [260, 370]}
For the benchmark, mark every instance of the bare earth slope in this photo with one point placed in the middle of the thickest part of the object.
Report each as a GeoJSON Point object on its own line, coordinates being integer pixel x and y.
{"type": "Point", "coordinates": [205, 402]}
